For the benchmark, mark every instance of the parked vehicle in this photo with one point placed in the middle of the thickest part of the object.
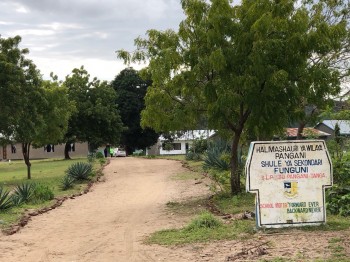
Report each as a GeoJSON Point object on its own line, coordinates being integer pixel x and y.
{"type": "Point", "coordinates": [119, 151]}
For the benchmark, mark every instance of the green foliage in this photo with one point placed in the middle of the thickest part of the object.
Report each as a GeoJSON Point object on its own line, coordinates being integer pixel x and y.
{"type": "Point", "coordinates": [131, 90]}
{"type": "Point", "coordinates": [91, 158]}
{"type": "Point", "coordinates": [220, 180]}
{"type": "Point", "coordinates": [5, 201]}
{"type": "Point", "coordinates": [96, 118]}
{"type": "Point", "coordinates": [338, 200]}
{"type": "Point", "coordinates": [204, 220]}
{"type": "Point", "coordinates": [23, 193]}
{"type": "Point", "coordinates": [42, 193]}
{"type": "Point", "coordinates": [168, 146]}
{"type": "Point", "coordinates": [102, 161]}
{"type": "Point", "coordinates": [67, 182]}
{"type": "Point", "coordinates": [80, 171]}
{"type": "Point", "coordinates": [199, 146]}
{"type": "Point", "coordinates": [99, 155]}
{"type": "Point", "coordinates": [194, 156]}
{"type": "Point", "coordinates": [267, 55]}
{"type": "Point", "coordinates": [216, 158]}
{"type": "Point", "coordinates": [341, 170]}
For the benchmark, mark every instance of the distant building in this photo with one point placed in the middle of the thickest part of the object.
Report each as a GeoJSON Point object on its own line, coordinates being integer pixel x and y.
{"type": "Point", "coordinates": [14, 151]}
{"type": "Point", "coordinates": [180, 145]}
{"type": "Point", "coordinates": [328, 126]}
{"type": "Point", "coordinates": [292, 133]}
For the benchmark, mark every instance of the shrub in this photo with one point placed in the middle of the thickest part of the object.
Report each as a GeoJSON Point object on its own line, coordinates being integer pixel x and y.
{"type": "Point", "coordinates": [5, 200]}
{"type": "Point", "coordinates": [99, 155]}
{"type": "Point", "coordinates": [79, 170]}
{"type": "Point", "coordinates": [204, 220]}
{"type": "Point", "coordinates": [193, 156]}
{"type": "Point", "coordinates": [67, 182]}
{"type": "Point", "coordinates": [23, 193]}
{"type": "Point", "coordinates": [102, 161]}
{"type": "Point", "coordinates": [214, 159]}
{"type": "Point", "coordinates": [91, 157]}
{"type": "Point", "coordinates": [338, 201]}
{"type": "Point", "coordinates": [43, 193]}
{"type": "Point", "coordinates": [221, 180]}
{"type": "Point", "coordinates": [199, 146]}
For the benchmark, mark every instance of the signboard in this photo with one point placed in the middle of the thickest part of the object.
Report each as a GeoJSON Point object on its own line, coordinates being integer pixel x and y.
{"type": "Point", "coordinates": [289, 179]}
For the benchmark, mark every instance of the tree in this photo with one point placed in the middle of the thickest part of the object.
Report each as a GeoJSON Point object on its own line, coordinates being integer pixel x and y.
{"type": "Point", "coordinates": [328, 63]}
{"type": "Point", "coordinates": [131, 90]}
{"type": "Point", "coordinates": [240, 66]}
{"type": "Point", "coordinates": [96, 119]}
{"type": "Point", "coordinates": [40, 109]}
{"type": "Point", "coordinates": [12, 64]}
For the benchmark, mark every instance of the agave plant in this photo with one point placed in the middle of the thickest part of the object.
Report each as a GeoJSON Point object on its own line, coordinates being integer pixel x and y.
{"type": "Point", "coordinates": [79, 171]}
{"type": "Point", "coordinates": [5, 200]}
{"type": "Point", "coordinates": [67, 182]}
{"type": "Point", "coordinates": [23, 193]}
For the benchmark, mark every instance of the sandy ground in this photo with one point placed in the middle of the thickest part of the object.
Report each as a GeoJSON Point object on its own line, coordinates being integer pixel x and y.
{"type": "Point", "coordinates": [110, 222]}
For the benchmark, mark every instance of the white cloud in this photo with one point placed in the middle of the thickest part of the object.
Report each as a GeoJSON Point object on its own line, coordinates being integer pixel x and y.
{"type": "Point", "coordinates": [62, 35]}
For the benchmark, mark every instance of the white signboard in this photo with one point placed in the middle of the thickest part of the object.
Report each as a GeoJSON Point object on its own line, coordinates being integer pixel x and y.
{"type": "Point", "coordinates": [289, 179]}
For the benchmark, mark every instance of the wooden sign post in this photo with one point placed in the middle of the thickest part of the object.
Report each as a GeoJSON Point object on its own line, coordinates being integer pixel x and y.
{"type": "Point", "coordinates": [289, 179]}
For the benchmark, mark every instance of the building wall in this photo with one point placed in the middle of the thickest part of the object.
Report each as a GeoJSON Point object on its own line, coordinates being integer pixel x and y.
{"type": "Point", "coordinates": [9, 153]}
{"type": "Point", "coordinates": [181, 151]}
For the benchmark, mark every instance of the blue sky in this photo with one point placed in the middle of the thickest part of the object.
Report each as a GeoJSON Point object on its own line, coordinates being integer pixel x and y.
{"type": "Point", "coordinates": [62, 35]}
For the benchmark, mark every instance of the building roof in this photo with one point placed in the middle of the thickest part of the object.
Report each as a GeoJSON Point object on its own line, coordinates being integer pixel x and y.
{"type": "Point", "coordinates": [293, 132]}
{"type": "Point", "coordinates": [192, 135]}
{"type": "Point", "coordinates": [344, 125]}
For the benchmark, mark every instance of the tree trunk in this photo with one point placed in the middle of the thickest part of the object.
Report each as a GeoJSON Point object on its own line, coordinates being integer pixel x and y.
{"type": "Point", "coordinates": [66, 150]}
{"type": "Point", "coordinates": [300, 130]}
{"type": "Point", "coordinates": [235, 172]}
{"type": "Point", "coordinates": [26, 151]}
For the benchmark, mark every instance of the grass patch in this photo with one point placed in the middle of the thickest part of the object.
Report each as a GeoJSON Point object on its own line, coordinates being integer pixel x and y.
{"type": "Point", "coordinates": [235, 204]}
{"type": "Point", "coordinates": [172, 157]}
{"type": "Point", "coordinates": [203, 228]}
{"type": "Point", "coordinates": [196, 166]}
{"type": "Point", "coordinates": [187, 176]}
{"type": "Point", "coordinates": [46, 174]}
{"type": "Point", "coordinates": [335, 245]}
{"type": "Point", "coordinates": [190, 207]}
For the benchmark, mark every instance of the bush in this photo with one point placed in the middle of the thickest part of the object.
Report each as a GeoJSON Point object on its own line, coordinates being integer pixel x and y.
{"type": "Point", "coordinates": [193, 156]}
{"type": "Point", "coordinates": [199, 146]}
{"type": "Point", "coordinates": [79, 171]}
{"type": "Point", "coordinates": [23, 193]}
{"type": "Point", "coordinates": [102, 161]}
{"type": "Point", "coordinates": [99, 155]}
{"type": "Point", "coordinates": [5, 201]}
{"type": "Point", "coordinates": [338, 201]}
{"type": "Point", "coordinates": [91, 157]}
{"type": "Point", "coordinates": [204, 220]}
{"type": "Point", "coordinates": [67, 182]}
{"type": "Point", "coordinates": [221, 180]}
{"type": "Point", "coordinates": [42, 193]}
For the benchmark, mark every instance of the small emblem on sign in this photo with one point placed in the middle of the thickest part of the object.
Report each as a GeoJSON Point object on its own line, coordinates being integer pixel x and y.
{"type": "Point", "coordinates": [290, 189]}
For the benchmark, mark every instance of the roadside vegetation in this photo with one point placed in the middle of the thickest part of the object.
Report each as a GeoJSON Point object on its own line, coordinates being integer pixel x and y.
{"type": "Point", "coordinates": [52, 179]}
{"type": "Point", "coordinates": [227, 217]}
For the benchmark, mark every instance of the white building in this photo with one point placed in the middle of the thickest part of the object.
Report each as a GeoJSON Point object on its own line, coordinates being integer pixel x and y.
{"type": "Point", "coordinates": [180, 145]}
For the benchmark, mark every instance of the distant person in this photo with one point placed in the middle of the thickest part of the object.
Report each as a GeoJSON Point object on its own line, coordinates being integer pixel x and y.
{"type": "Point", "coordinates": [111, 151]}
{"type": "Point", "coordinates": [105, 151]}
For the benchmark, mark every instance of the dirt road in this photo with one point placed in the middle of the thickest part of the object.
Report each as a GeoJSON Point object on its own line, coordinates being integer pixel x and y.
{"type": "Point", "coordinates": [110, 222]}
{"type": "Point", "coordinates": [107, 224]}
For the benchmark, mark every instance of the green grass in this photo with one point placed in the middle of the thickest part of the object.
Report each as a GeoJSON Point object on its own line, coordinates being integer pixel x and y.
{"type": "Point", "coordinates": [199, 230]}
{"type": "Point", "coordinates": [235, 204]}
{"type": "Point", "coordinates": [172, 157]}
{"type": "Point", "coordinates": [187, 176]}
{"type": "Point", "coordinates": [48, 172]}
